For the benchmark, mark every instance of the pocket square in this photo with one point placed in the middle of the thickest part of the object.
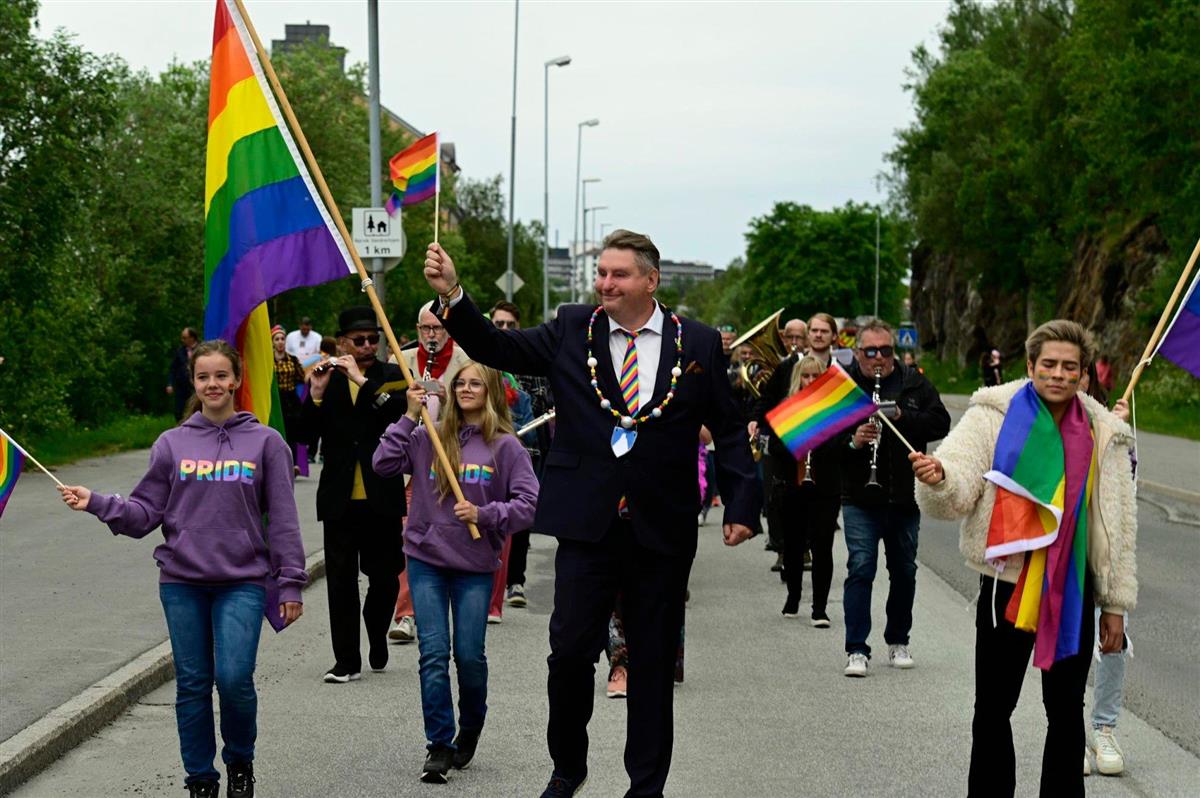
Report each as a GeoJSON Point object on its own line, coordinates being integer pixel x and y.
{"type": "Point", "coordinates": [694, 368]}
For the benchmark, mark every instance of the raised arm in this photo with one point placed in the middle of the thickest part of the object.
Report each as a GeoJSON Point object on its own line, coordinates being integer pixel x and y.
{"type": "Point", "coordinates": [519, 351]}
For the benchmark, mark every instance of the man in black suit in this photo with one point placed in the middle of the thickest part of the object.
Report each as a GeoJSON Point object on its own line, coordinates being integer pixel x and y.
{"type": "Point", "coordinates": [352, 399]}
{"type": "Point", "coordinates": [620, 486]}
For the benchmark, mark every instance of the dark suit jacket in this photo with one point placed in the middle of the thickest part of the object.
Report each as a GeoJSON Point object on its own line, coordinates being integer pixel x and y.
{"type": "Point", "coordinates": [583, 480]}
{"type": "Point", "coordinates": [350, 433]}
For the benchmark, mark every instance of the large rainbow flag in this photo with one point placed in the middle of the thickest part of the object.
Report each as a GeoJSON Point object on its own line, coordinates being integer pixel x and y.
{"type": "Point", "coordinates": [414, 173]}
{"type": "Point", "coordinates": [265, 228]}
{"type": "Point", "coordinates": [1043, 473]}
{"type": "Point", "coordinates": [11, 460]}
{"type": "Point", "coordinates": [809, 417]}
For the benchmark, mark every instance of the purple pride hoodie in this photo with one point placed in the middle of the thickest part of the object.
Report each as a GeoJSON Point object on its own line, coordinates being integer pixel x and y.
{"type": "Point", "coordinates": [208, 486]}
{"type": "Point", "coordinates": [497, 478]}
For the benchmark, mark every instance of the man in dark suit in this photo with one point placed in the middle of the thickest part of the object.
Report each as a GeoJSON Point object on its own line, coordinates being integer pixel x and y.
{"type": "Point", "coordinates": [633, 384]}
{"type": "Point", "coordinates": [352, 399]}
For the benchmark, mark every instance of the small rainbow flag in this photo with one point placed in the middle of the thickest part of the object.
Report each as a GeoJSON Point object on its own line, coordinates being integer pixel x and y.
{"type": "Point", "coordinates": [414, 174]}
{"type": "Point", "coordinates": [808, 418]}
{"type": "Point", "coordinates": [265, 228]}
{"type": "Point", "coordinates": [11, 460]}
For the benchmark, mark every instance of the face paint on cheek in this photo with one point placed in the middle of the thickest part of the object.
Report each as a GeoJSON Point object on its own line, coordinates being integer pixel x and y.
{"type": "Point", "coordinates": [1041, 376]}
{"type": "Point", "coordinates": [1072, 380]}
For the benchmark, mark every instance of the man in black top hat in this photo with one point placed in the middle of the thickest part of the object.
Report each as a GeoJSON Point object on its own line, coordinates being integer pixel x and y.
{"type": "Point", "coordinates": [353, 397]}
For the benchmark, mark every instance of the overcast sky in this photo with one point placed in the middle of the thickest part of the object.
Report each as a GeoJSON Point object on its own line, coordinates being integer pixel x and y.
{"type": "Point", "coordinates": [709, 112]}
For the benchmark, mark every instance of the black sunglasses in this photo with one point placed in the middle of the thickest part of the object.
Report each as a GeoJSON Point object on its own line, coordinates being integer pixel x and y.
{"type": "Point", "coordinates": [359, 340]}
{"type": "Point", "coordinates": [877, 351]}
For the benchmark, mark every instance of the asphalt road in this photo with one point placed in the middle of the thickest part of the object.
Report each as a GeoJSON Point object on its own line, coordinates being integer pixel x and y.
{"type": "Point", "coordinates": [77, 603]}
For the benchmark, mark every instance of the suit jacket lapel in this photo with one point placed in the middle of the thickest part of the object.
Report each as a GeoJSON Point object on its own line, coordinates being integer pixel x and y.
{"type": "Point", "coordinates": [666, 361]}
{"type": "Point", "coordinates": [606, 375]}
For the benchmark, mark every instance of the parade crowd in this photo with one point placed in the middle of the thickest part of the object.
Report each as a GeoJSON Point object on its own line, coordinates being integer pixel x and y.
{"type": "Point", "coordinates": [617, 428]}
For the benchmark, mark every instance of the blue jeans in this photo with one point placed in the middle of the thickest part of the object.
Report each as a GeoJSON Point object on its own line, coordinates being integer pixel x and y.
{"type": "Point", "coordinates": [214, 637]}
{"type": "Point", "coordinates": [865, 527]}
{"type": "Point", "coordinates": [1110, 684]}
{"type": "Point", "coordinates": [435, 592]}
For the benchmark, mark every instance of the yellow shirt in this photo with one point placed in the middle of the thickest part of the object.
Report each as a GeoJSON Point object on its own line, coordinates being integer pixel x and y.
{"type": "Point", "coordinates": [359, 491]}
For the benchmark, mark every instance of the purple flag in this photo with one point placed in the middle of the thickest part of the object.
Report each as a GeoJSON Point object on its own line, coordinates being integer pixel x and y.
{"type": "Point", "coordinates": [1180, 344]}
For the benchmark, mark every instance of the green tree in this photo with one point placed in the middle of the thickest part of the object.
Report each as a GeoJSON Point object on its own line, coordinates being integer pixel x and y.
{"type": "Point", "coordinates": [805, 260]}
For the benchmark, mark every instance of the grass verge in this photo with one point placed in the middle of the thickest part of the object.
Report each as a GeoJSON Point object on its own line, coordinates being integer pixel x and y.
{"type": "Point", "coordinates": [1167, 397]}
{"type": "Point", "coordinates": [76, 443]}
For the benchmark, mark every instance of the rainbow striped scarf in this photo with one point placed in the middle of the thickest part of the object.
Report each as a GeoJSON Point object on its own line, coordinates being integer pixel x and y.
{"type": "Point", "coordinates": [1044, 474]}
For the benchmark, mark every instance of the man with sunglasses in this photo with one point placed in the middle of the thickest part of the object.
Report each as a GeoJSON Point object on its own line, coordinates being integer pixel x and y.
{"type": "Point", "coordinates": [434, 356]}
{"type": "Point", "coordinates": [353, 397]}
{"type": "Point", "coordinates": [886, 511]}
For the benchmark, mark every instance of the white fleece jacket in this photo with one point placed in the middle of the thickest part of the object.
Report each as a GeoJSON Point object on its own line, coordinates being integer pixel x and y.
{"type": "Point", "coordinates": [967, 455]}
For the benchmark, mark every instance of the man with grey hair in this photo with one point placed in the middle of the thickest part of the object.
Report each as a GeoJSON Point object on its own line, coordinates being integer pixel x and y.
{"type": "Point", "coordinates": [877, 494]}
{"type": "Point", "coordinates": [795, 335]}
{"type": "Point", "coordinates": [633, 383]}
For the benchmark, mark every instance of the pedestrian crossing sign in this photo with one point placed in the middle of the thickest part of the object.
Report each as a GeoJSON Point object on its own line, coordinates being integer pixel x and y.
{"type": "Point", "coordinates": [906, 337]}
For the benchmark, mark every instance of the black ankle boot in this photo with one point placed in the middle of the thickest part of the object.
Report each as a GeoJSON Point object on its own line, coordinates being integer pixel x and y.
{"type": "Point", "coordinates": [241, 781]}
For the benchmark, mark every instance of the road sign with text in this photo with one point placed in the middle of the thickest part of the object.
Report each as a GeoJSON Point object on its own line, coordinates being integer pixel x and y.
{"type": "Point", "coordinates": [375, 234]}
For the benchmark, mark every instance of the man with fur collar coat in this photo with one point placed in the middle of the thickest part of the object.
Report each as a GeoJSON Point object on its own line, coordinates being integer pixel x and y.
{"type": "Point", "coordinates": [951, 485]}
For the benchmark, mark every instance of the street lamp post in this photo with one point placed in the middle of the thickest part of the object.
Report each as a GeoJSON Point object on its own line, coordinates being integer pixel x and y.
{"type": "Point", "coordinates": [562, 60]}
{"type": "Point", "coordinates": [578, 161]}
{"type": "Point", "coordinates": [596, 242]}
{"type": "Point", "coordinates": [512, 157]}
{"type": "Point", "coordinates": [583, 281]}
{"type": "Point", "coordinates": [876, 263]}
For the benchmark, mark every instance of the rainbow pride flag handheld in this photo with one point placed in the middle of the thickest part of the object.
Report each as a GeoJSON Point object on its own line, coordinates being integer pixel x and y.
{"type": "Point", "coordinates": [11, 461]}
{"type": "Point", "coordinates": [808, 418]}
{"type": "Point", "coordinates": [1043, 473]}
{"type": "Point", "coordinates": [414, 173]}
{"type": "Point", "coordinates": [265, 228]}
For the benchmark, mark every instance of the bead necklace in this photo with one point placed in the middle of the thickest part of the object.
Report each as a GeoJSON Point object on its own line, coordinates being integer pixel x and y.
{"type": "Point", "coordinates": [629, 421]}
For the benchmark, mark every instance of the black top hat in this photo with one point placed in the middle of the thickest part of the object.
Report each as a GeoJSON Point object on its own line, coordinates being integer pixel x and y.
{"type": "Point", "coordinates": [357, 318]}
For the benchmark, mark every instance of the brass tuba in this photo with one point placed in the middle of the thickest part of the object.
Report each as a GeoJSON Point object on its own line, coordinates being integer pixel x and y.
{"type": "Point", "coordinates": [769, 351]}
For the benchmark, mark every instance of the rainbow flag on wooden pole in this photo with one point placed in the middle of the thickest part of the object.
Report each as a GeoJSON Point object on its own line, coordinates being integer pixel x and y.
{"type": "Point", "coordinates": [808, 418]}
{"type": "Point", "coordinates": [12, 460]}
{"type": "Point", "coordinates": [415, 177]}
{"type": "Point", "coordinates": [266, 230]}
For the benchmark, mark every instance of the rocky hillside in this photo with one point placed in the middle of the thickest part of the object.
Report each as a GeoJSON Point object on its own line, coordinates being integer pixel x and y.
{"type": "Point", "coordinates": [959, 319]}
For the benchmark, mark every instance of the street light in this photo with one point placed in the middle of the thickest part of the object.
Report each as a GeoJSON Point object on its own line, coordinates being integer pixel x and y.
{"type": "Point", "coordinates": [512, 156]}
{"type": "Point", "coordinates": [583, 281]}
{"type": "Point", "coordinates": [561, 61]}
{"type": "Point", "coordinates": [595, 241]}
{"type": "Point", "coordinates": [578, 161]}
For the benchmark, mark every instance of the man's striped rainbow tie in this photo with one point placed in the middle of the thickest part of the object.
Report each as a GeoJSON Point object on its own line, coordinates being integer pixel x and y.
{"type": "Point", "coordinates": [629, 391]}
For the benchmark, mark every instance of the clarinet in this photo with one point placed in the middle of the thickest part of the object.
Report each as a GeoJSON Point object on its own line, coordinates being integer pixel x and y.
{"type": "Point", "coordinates": [808, 477]}
{"type": "Point", "coordinates": [872, 482]}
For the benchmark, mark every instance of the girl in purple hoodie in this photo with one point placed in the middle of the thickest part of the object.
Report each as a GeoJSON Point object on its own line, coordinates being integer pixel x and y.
{"type": "Point", "coordinates": [447, 570]}
{"type": "Point", "coordinates": [211, 481]}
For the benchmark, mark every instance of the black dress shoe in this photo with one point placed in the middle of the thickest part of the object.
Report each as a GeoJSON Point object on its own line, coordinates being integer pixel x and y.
{"type": "Point", "coordinates": [563, 786]}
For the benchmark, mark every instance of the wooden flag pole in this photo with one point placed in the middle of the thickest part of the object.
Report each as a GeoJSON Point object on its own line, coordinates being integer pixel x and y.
{"type": "Point", "coordinates": [1162, 322]}
{"type": "Point", "coordinates": [368, 286]}
{"type": "Point", "coordinates": [31, 458]}
{"type": "Point", "coordinates": [903, 440]}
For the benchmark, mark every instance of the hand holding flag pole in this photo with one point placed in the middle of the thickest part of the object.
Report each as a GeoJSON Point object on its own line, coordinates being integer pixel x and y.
{"type": "Point", "coordinates": [367, 285]}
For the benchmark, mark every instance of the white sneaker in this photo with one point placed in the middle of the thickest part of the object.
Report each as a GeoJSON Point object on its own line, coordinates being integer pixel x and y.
{"type": "Point", "coordinates": [899, 657]}
{"type": "Point", "coordinates": [1109, 759]}
{"type": "Point", "coordinates": [1087, 762]}
{"type": "Point", "coordinates": [856, 665]}
{"type": "Point", "coordinates": [405, 630]}
{"type": "Point", "coordinates": [495, 619]}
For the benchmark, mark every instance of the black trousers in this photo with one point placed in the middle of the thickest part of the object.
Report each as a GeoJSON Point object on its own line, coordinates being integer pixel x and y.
{"type": "Point", "coordinates": [1001, 657]}
{"type": "Point", "coordinates": [518, 557]}
{"type": "Point", "coordinates": [588, 577]}
{"type": "Point", "coordinates": [361, 540]}
{"type": "Point", "coordinates": [809, 520]}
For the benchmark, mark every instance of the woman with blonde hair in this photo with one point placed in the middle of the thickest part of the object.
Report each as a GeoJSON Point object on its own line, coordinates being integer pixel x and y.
{"type": "Point", "coordinates": [448, 571]}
